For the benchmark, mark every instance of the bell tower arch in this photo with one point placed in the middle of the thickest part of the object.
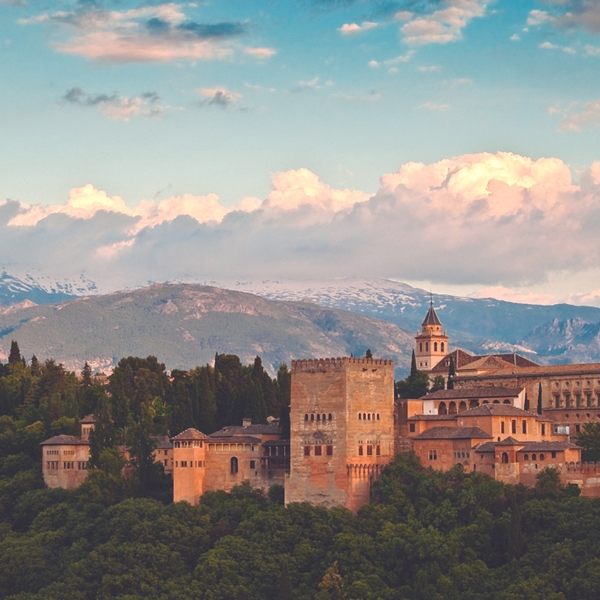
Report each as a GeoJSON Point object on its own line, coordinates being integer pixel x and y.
{"type": "Point", "coordinates": [431, 341]}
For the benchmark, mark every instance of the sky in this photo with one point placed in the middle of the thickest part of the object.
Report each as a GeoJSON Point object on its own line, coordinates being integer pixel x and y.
{"type": "Point", "coordinates": [451, 144]}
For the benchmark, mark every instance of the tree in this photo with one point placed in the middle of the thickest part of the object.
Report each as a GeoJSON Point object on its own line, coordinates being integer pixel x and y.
{"type": "Point", "coordinates": [439, 383]}
{"type": "Point", "coordinates": [526, 403]}
{"type": "Point", "coordinates": [14, 355]}
{"type": "Point", "coordinates": [86, 376]}
{"type": "Point", "coordinates": [332, 583]}
{"type": "Point", "coordinates": [368, 353]}
{"type": "Point", "coordinates": [516, 540]}
{"type": "Point", "coordinates": [539, 402]}
{"type": "Point", "coordinates": [451, 374]}
{"type": "Point", "coordinates": [285, 591]}
{"type": "Point", "coordinates": [413, 364]}
{"type": "Point", "coordinates": [589, 440]}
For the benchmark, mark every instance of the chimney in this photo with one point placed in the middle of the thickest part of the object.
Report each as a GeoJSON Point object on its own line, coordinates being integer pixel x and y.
{"type": "Point", "coordinates": [246, 422]}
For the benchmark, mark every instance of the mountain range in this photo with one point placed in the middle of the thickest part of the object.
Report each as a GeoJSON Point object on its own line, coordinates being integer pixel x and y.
{"type": "Point", "coordinates": [545, 333]}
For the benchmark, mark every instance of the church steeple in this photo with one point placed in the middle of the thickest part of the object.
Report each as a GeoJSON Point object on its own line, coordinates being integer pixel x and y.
{"type": "Point", "coordinates": [431, 341]}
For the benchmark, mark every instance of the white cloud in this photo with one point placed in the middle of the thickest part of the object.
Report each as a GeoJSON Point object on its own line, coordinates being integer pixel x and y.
{"type": "Point", "coordinates": [537, 17]}
{"type": "Point", "coordinates": [218, 96]}
{"type": "Point", "coordinates": [515, 37]}
{"type": "Point", "coordinates": [429, 69]}
{"type": "Point", "coordinates": [159, 33]}
{"type": "Point", "coordinates": [551, 46]}
{"type": "Point", "coordinates": [354, 28]}
{"type": "Point", "coordinates": [260, 52]}
{"type": "Point", "coordinates": [480, 219]}
{"type": "Point", "coordinates": [592, 50]}
{"type": "Point", "coordinates": [588, 116]}
{"type": "Point", "coordinates": [433, 106]}
{"type": "Point", "coordinates": [444, 25]}
{"type": "Point", "coordinates": [520, 295]}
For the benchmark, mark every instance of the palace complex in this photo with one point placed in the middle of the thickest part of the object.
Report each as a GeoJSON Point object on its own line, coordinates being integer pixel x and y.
{"type": "Point", "coordinates": [503, 415]}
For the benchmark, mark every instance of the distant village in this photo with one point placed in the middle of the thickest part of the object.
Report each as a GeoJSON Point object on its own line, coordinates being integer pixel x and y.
{"type": "Point", "coordinates": [499, 414]}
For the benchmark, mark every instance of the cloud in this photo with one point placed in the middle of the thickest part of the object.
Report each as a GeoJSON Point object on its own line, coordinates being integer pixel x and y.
{"type": "Point", "coordinates": [119, 108]}
{"type": "Point", "coordinates": [592, 50]}
{"type": "Point", "coordinates": [479, 219]}
{"type": "Point", "coordinates": [520, 295]}
{"type": "Point", "coordinates": [159, 33]}
{"type": "Point", "coordinates": [433, 106]}
{"type": "Point", "coordinates": [218, 96]}
{"type": "Point", "coordinates": [443, 25]}
{"type": "Point", "coordinates": [260, 52]}
{"type": "Point", "coordinates": [551, 46]}
{"type": "Point", "coordinates": [429, 69]}
{"type": "Point", "coordinates": [588, 116]}
{"type": "Point", "coordinates": [354, 28]}
{"type": "Point", "coordinates": [569, 15]}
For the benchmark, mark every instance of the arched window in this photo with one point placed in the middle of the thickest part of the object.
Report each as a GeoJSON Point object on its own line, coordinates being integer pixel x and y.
{"type": "Point", "coordinates": [526, 457]}
{"type": "Point", "coordinates": [506, 402]}
{"type": "Point", "coordinates": [513, 427]}
{"type": "Point", "coordinates": [442, 346]}
{"type": "Point", "coordinates": [306, 417]}
{"type": "Point", "coordinates": [378, 416]}
{"type": "Point", "coordinates": [369, 417]}
{"type": "Point", "coordinates": [420, 346]}
{"type": "Point", "coordinates": [504, 457]}
{"type": "Point", "coordinates": [435, 346]}
{"type": "Point", "coordinates": [330, 417]}
{"type": "Point", "coordinates": [318, 417]}
{"type": "Point", "coordinates": [542, 457]}
{"type": "Point", "coordinates": [234, 465]}
{"type": "Point", "coordinates": [442, 410]}
{"type": "Point", "coordinates": [426, 346]}
{"type": "Point", "coordinates": [534, 457]}
{"type": "Point", "coordinates": [364, 416]}
{"type": "Point", "coordinates": [312, 417]}
{"type": "Point", "coordinates": [324, 417]}
{"type": "Point", "coordinates": [462, 407]}
{"type": "Point", "coordinates": [360, 416]}
{"type": "Point", "coordinates": [452, 408]}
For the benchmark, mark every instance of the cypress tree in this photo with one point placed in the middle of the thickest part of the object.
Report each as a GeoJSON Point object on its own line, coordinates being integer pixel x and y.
{"type": "Point", "coordinates": [517, 542]}
{"type": "Point", "coordinates": [526, 406]}
{"type": "Point", "coordinates": [413, 365]}
{"type": "Point", "coordinates": [539, 404]}
{"type": "Point", "coordinates": [14, 355]}
{"type": "Point", "coordinates": [369, 354]}
{"type": "Point", "coordinates": [451, 374]}
{"type": "Point", "coordinates": [285, 590]}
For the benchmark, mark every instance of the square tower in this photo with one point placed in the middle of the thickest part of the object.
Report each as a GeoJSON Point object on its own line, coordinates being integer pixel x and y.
{"type": "Point", "coordinates": [189, 469]}
{"type": "Point", "coordinates": [342, 429]}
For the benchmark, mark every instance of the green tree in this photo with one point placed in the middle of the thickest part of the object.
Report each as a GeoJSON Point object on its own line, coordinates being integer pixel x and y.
{"type": "Point", "coordinates": [285, 591]}
{"type": "Point", "coordinates": [539, 400]}
{"type": "Point", "coordinates": [368, 353]}
{"type": "Point", "coordinates": [14, 355]}
{"type": "Point", "coordinates": [86, 376]}
{"type": "Point", "coordinates": [439, 383]}
{"type": "Point", "coordinates": [516, 541]}
{"type": "Point", "coordinates": [589, 440]}
{"type": "Point", "coordinates": [451, 374]}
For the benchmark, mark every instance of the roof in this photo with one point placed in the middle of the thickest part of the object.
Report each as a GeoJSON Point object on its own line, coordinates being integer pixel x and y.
{"type": "Point", "coordinates": [190, 434]}
{"type": "Point", "coordinates": [501, 410]}
{"type": "Point", "coordinates": [248, 430]}
{"type": "Point", "coordinates": [510, 441]}
{"type": "Point", "coordinates": [486, 362]}
{"type": "Point", "coordinates": [462, 359]}
{"type": "Point", "coordinates": [230, 439]}
{"type": "Point", "coordinates": [277, 443]}
{"type": "Point", "coordinates": [591, 369]}
{"type": "Point", "coordinates": [548, 446]}
{"type": "Point", "coordinates": [496, 391]}
{"type": "Point", "coordinates": [434, 417]}
{"type": "Point", "coordinates": [162, 442]}
{"type": "Point", "coordinates": [486, 447]}
{"type": "Point", "coordinates": [453, 433]}
{"type": "Point", "coordinates": [88, 419]}
{"type": "Point", "coordinates": [64, 440]}
{"type": "Point", "coordinates": [431, 318]}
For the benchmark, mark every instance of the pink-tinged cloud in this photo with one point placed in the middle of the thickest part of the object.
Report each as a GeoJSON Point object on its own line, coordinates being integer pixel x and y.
{"type": "Point", "coordinates": [444, 25]}
{"type": "Point", "coordinates": [587, 116]}
{"type": "Point", "coordinates": [520, 295]}
{"type": "Point", "coordinates": [354, 28]}
{"type": "Point", "coordinates": [260, 52]}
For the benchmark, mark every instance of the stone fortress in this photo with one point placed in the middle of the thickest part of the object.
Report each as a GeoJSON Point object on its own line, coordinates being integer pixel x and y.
{"type": "Point", "coordinates": [503, 415]}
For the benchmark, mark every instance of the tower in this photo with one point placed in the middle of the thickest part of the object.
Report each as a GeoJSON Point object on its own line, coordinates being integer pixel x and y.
{"type": "Point", "coordinates": [342, 429]}
{"type": "Point", "coordinates": [189, 457]}
{"type": "Point", "coordinates": [431, 341]}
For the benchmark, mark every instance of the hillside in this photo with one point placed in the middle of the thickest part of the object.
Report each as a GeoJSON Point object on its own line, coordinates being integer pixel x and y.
{"type": "Point", "coordinates": [185, 325]}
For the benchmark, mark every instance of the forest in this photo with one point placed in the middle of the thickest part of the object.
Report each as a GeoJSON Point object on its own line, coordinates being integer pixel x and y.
{"type": "Point", "coordinates": [425, 535]}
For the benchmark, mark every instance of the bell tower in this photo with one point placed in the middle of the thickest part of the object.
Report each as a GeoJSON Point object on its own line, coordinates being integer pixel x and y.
{"type": "Point", "coordinates": [431, 341]}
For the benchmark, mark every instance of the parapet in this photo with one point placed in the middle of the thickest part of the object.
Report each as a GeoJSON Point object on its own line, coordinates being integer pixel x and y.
{"type": "Point", "coordinates": [312, 365]}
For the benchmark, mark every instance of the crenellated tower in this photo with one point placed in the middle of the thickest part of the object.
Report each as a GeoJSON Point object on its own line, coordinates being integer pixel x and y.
{"type": "Point", "coordinates": [431, 341]}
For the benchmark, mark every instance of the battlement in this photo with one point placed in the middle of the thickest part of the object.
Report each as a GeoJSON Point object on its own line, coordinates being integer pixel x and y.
{"type": "Point", "coordinates": [309, 365]}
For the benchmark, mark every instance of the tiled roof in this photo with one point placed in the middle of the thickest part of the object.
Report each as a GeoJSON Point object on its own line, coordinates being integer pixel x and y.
{"type": "Point", "coordinates": [547, 446]}
{"type": "Point", "coordinates": [433, 417]}
{"type": "Point", "coordinates": [502, 410]}
{"type": "Point", "coordinates": [277, 443]}
{"type": "Point", "coordinates": [231, 439]}
{"type": "Point", "coordinates": [88, 419]}
{"type": "Point", "coordinates": [462, 359]}
{"type": "Point", "coordinates": [510, 441]}
{"type": "Point", "coordinates": [453, 433]}
{"type": "Point", "coordinates": [486, 447]}
{"type": "Point", "coordinates": [64, 440]}
{"type": "Point", "coordinates": [162, 442]}
{"type": "Point", "coordinates": [190, 434]}
{"type": "Point", "coordinates": [431, 318]}
{"type": "Point", "coordinates": [591, 369]}
{"type": "Point", "coordinates": [486, 362]}
{"type": "Point", "coordinates": [474, 392]}
{"type": "Point", "coordinates": [248, 430]}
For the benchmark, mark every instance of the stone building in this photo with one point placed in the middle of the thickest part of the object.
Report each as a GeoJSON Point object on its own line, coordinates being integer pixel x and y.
{"type": "Point", "coordinates": [342, 429]}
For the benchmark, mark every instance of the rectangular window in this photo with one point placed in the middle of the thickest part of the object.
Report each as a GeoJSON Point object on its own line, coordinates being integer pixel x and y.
{"type": "Point", "coordinates": [543, 429]}
{"type": "Point", "coordinates": [378, 450]}
{"type": "Point", "coordinates": [524, 426]}
{"type": "Point", "coordinates": [184, 463]}
{"type": "Point", "coordinates": [360, 450]}
{"type": "Point", "coordinates": [369, 450]}
{"type": "Point", "coordinates": [306, 450]}
{"type": "Point", "coordinates": [502, 427]}
{"type": "Point", "coordinates": [432, 454]}
{"type": "Point", "coordinates": [318, 451]}
{"type": "Point", "coordinates": [412, 427]}
{"type": "Point", "coordinates": [177, 463]}
{"type": "Point", "coordinates": [253, 464]}
{"type": "Point", "coordinates": [554, 455]}
{"type": "Point", "coordinates": [577, 428]}
{"type": "Point", "coordinates": [329, 450]}
{"type": "Point", "coordinates": [514, 427]}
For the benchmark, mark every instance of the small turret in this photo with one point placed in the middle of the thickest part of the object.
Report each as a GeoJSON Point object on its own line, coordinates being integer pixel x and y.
{"type": "Point", "coordinates": [431, 341]}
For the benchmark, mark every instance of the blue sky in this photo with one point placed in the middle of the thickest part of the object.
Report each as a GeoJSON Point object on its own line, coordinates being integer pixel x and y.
{"type": "Point", "coordinates": [202, 106]}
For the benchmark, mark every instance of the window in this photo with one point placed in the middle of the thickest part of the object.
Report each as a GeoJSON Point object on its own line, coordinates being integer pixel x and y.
{"type": "Point", "coordinates": [234, 465]}
{"type": "Point", "coordinates": [177, 463]}
{"type": "Point", "coordinates": [502, 427]}
{"type": "Point", "coordinates": [543, 429]}
{"type": "Point", "coordinates": [514, 427]}
{"type": "Point", "coordinates": [52, 465]}
{"type": "Point", "coordinates": [369, 450]}
{"type": "Point", "coordinates": [318, 451]}
{"type": "Point", "coordinates": [412, 427]}
{"type": "Point", "coordinates": [330, 416]}
{"type": "Point", "coordinates": [369, 417]}
{"type": "Point", "coordinates": [442, 346]}
{"type": "Point", "coordinates": [306, 417]}
{"type": "Point", "coordinates": [526, 457]}
{"type": "Point", "coordinates": [364, 416]}
{"type": "Point", "coordinates": [505, 456]}
{"type": "Point", "coordinates": [81, 465]}
{"type": "Point", "coordinates": [435, 346]}
{"type": "Point", "coordinates": [359, 416]}
{"type": "Point", "coordinates": [426, 346]}
{"type": "Point", "coordinates": [184, 463]}
{"type": "Point", "coordinates": [554, 455]}
{"type": "Point", "coordinates": [420, 346]}
{"type": "Point", "coordinates": [432, 454]}
{"type": "Point", "coordinates": [524, 426]}
{"type": "Point", "coordinates": [68, 465]}
{"type": "Point", "coordinates": [318, 417]}
{"type": "Point", "coordinates": [253, 464]}
{"type": "Point", "coordinates": [329, 450]}
{"type": "Point", "coordinates": [323, 418]}
{"type": "Point", "coordinates": [378, 450]}
{"type": "Point", "coordinates": [577, 428]}
{"type": "Point", "coordinates": [378, 416]}
{"type": "Point", "coordinates": [534, 457]}
{"type": "Point", "coordinates": [306, 450]}
{"type": "Point", "coordinates": [312, 417]}
{"type": "Point", "coordinates": [360, 450]}
{"type": "Point", "coordinates": [542, 457]}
